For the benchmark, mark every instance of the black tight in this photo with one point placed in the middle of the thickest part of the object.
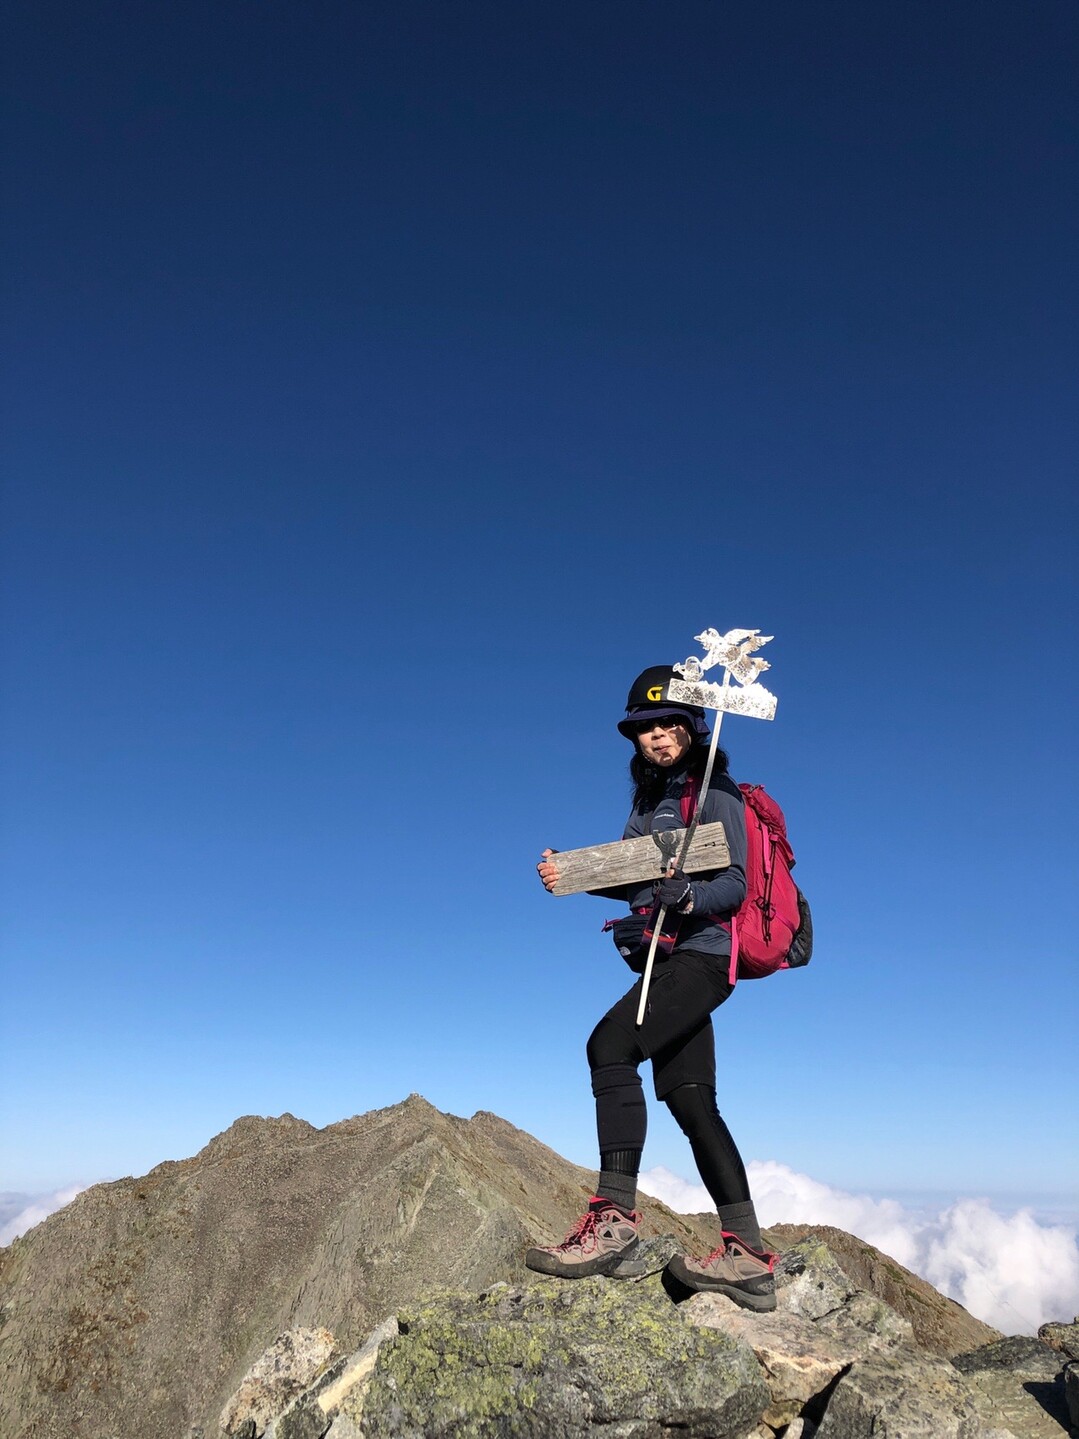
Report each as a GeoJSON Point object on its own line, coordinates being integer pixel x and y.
{"type": "Point", "coordinates": [622, 1120]}
{"type": "Point", "coordinates": [621, 1116]}
{"type": "Point", "coordinates": [714, 1150]}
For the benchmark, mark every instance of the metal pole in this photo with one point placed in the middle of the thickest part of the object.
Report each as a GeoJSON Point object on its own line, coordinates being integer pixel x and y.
{"type": "Point", "coordinates": [691, 828]}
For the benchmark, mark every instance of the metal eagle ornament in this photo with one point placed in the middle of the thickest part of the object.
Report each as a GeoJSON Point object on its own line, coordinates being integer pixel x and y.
{"type": "Point", "coordinates": [735, 652]}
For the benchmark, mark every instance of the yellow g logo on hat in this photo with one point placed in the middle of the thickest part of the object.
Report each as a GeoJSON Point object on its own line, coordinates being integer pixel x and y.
{"type": "Point", "coordinates": [655, 694]}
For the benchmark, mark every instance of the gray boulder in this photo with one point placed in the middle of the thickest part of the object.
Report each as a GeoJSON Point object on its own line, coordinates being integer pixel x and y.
{"type": "Point", "coordinates": [574, 1360]}
{"type": "Point", "coordinates": [1062, 1337]}
{"type": "Point", "coordinates": [904, 1395]}
{"type": "Point", "coordinates": [281, 1373]}
{"type": "Point", "coordinates": [1071, 1392]}
{"type": "Point", "coordinates": [941, 1326]}
{"type": "Point", "coordinates": [821, 1326]}
{"type": "Point", "coordinates": [311, 1414]}
{"type": "Point", "coordinates": [1022, 1380]}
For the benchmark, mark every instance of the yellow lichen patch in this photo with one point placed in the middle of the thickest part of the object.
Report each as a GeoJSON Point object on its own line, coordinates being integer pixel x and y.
{"type": "Point", "coordinates": [551, 1356]}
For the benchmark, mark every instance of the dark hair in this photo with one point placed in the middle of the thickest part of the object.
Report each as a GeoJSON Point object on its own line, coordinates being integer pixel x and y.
{"type": "Point", "coordinates": [649, 781]}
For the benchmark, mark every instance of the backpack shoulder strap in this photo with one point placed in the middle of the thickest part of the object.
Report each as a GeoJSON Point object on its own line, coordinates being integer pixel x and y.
{"type": "Point", "coordinates": [688, 802]}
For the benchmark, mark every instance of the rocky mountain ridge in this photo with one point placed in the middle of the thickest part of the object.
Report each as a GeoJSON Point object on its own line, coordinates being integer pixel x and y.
{"type": "Point", "coordinates": [136, 1312]}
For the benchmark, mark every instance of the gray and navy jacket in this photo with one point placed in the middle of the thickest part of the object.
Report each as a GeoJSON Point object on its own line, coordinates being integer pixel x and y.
{"type": "Point", "coordinates": [717, 894]}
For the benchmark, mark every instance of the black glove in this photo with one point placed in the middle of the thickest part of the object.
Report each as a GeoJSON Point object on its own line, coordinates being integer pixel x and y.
{"type": "Point", "coordinates": [674, 891]}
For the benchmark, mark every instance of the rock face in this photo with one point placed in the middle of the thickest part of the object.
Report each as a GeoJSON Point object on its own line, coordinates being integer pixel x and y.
{"type": "Point", "coordinates": [939, 1324]}
{"type": "Point", "coordinates": [366, 1279]}
{"type": "Point", "coordinates": [282, 1373]}
{"type": "Point", "coordinates": [1024, 1380]}
{"type": "Point", "coordinates": [1062, 1337]}
{"type": "Point", "coordinates": [555, 1359]}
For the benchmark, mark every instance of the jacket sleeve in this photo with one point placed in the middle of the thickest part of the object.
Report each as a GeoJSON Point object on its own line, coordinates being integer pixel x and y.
{"type": "Point", "coordinates": [721, 892]}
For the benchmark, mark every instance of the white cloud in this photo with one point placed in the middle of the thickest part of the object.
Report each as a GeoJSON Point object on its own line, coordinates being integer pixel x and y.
{"type": "Point", "coordinates": [1007, 1270]}
{"type": "Point", "coordinates": [1008, 1266]}
{"type": "Point", "coordinates": [39, 1208]}
{"type": "Point", "coordinates": [678, 1194]}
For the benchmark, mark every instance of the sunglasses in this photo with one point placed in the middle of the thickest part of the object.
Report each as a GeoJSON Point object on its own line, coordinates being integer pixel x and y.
{"type": "Point", "coordinates": [667, 722]}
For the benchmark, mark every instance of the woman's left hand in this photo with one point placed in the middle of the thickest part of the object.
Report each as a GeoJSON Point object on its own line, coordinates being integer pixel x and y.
{"type": "Point", "coordinates": [675, 892]}
{"type": "Point", "coordinates": [547, 871]}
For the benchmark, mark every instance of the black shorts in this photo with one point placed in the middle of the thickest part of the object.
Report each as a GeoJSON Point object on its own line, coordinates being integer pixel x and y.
{"type": "Point", "coordinates": [677, 1033]}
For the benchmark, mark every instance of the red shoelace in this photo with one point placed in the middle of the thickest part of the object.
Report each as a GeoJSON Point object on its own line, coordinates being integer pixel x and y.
{"type": "Point", "coordinates": [584, 1228]}
{"type": "Point", "coordinates": [764, 1255]}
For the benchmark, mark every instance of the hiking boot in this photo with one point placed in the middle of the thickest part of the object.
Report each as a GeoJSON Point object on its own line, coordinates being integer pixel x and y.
{"type": "Point", "coordinates": [596, 1244]}
{"type": "Point", "coordinates": [743, 1274]}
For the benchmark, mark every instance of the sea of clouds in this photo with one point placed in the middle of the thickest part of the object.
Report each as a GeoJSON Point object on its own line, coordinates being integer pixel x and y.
{"type": "Point", "coordinates": [1007, 1269]}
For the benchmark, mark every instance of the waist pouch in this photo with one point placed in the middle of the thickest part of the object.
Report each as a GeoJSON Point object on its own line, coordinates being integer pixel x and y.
{"type": "Point", "coordinates": [632, 936]}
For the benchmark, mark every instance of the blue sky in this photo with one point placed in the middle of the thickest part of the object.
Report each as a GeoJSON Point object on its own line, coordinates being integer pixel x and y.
{"type": "Point", "coordinates": [386, 386]}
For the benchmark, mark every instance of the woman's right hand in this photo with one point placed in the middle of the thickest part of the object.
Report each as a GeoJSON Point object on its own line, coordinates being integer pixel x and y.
{"type": "Point", "coordinates": [547, 871]}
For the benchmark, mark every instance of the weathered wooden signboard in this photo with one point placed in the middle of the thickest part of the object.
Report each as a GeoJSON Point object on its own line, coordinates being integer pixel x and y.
{"type": "Point", "coordinates": [636, 861]}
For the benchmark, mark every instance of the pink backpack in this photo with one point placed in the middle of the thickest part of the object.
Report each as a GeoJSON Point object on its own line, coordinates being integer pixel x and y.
{"type": "Point", "coordinates": [773, 929]}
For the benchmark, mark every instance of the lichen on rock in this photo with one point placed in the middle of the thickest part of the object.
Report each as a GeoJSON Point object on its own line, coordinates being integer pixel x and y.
{"type": "Point", "coordinates": [552, 1358]}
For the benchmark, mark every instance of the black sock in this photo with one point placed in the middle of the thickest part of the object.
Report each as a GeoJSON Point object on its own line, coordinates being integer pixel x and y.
{"type": "Point", "coordinates": [618, 1177]}
{"type": "Point", "coordinates": [741, 1219]}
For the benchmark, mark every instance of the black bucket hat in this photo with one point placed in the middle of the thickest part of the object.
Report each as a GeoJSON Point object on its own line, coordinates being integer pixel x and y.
{"type": "Point", "coordinates": [648, 700]}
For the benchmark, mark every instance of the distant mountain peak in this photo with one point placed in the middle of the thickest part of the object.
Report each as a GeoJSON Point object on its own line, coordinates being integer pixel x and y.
{"type": "Point", "coordinates": [253, 1129]}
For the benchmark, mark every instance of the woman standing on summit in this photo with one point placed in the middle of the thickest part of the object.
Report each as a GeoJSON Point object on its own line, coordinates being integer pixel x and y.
{"type": "Point", "coordinates": [689, 981]}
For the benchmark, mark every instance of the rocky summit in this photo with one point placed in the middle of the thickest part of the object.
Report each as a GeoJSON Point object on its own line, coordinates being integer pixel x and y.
{"type": "Point", "coordinates": [365, 1279]}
